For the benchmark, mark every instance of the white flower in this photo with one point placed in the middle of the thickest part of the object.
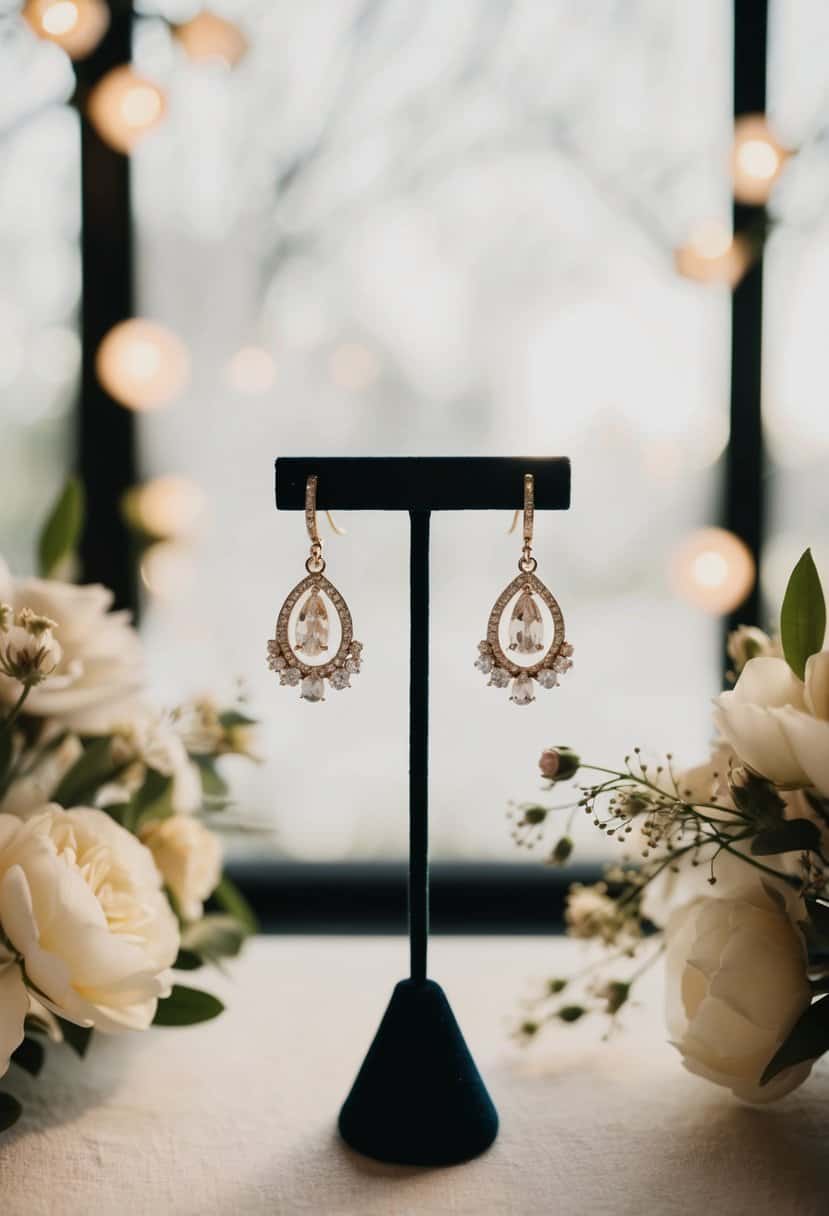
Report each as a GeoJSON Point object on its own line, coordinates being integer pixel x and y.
{"type": "Point", "coordinates": [736, 984]}
{"type": "Point", "coordinates": [590, 912]}
{"type": "Point", "coordinates": [29, 653]}
{"type": "Point", "coordinates": [28, 793]}
{"type": "Point", "coordinates": [84, 923]}
{"type": "Point", "coordinates": [91, 689]}
{"type": "Point", "coordinates": [189, 858]}
{"type": "Point", "coordinates": [158, 745]}
{"type": "Point", "coordinates": [779, 725]}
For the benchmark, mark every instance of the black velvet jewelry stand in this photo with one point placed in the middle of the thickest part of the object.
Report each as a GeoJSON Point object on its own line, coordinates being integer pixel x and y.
{"type": "Point", "coordinates": [418, 1098]}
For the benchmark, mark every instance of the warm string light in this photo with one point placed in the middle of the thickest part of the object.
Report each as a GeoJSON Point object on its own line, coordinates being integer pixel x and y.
{"type": "Point", "coordinates": [713, 570]}
{"type": "Point", "coordinates": [124, 107]}
{"type": "Point", "coordinates": [75, 25]}
{"type": "Point", "coordinates": [142, 365]}
{"type": "Point", "coordinates": [167, 569]}
{"type": "Point", "coordinates": [251, 370]}
{"type": "Point", "coordinates": [712, 255]}
{"type": "Point", "coordinates": [167, 508]}
{"type": "Point", "coordinates": [757, 159]}
{"type": "Point", "coordinates": [208, 38]}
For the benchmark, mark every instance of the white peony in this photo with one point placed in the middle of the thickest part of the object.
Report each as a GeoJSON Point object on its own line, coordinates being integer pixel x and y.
{"type": "Point", "coordinates": [736, 984]}
{"type": "Point", "coordinates": [100, 666]}
{"type": "Point", "coordinates": [83, 923]}
{"type": "Point", "coordinates": [189, 858]}
{"type": "Point", "coordinates": [779, 725]}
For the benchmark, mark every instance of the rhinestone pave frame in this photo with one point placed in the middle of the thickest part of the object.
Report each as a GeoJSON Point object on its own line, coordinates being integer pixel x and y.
{"type": "Point", "coordinates": [501, 669]}
{"type": "Point", "coordinates": [284, 660]}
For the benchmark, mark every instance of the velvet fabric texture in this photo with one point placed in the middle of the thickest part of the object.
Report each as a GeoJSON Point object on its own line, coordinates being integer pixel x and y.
{"type": "Point", "coordinates": [418, 1098]}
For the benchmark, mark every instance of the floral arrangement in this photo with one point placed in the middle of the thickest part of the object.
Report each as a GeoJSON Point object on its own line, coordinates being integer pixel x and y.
{"type": "Point", "coordinates": [724, 869]}
{"type": "Point", "coordinates": [105, 861]}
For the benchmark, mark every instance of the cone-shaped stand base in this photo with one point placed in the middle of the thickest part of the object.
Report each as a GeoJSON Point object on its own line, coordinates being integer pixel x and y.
{"type": "Point", "coordinates": [418, 1098]}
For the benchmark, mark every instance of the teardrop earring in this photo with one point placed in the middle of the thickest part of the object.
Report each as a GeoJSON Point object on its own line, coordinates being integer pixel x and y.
{"type": "Point", "coordinates": [526, 625]}
{"type": "Point", "coordinates": [308, 636]}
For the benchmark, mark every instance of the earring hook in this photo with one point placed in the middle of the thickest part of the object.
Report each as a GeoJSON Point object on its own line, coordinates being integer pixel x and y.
{"type": "Point", "coordinates": [529, 510]}
{"type": "Point", "coordinates": [311, 513]}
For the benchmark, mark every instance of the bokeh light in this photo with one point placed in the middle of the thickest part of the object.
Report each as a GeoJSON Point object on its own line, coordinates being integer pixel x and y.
{"type": "Point", "coordinates": [251, 370]}
{"type": "Point", "coordinates": [167, 507]}
{"type": "Point", "coordinates": [142, 365]}
{"type": "Point", "coordinates": [75, 25]}
{"type": "Point", "coordinates": [209, 38]}
{"type": "Point", "coordinates": [354, 366]}
{"type": "Point", "coordinates": [713, 570]}
{"type": "Point", "coordinates": [167, 569]}
{"type": "Point", "coordinates": [124, 107]}
{"type": "Point", "coordinates": [712, 255]}
{"type": "Point", "coordinates": [757, 159]}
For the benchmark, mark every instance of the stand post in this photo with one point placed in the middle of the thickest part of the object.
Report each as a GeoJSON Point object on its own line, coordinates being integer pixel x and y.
{"type": "Point", "coordinates": [418, 1098]}
{"type": "Point", "coordinates": [419, 745]}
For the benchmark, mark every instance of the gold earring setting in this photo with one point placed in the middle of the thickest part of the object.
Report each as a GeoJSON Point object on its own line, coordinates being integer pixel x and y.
{"type": "Point", "coordinates": [526, 626]}
{"type": "Point", "coordinates": [308, 636]}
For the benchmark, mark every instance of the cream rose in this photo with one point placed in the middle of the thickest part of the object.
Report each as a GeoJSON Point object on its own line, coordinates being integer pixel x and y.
{"type": "Point", "coordinates": [189, 858]}
{"type": "Point", "coordinates": [735, 986]}
{"type": "Point", "coordinates": [100, 665]}
{"type": "Point", "coordinates": [83, 923]}
{"type": "Point", "coordinates": [779, 725]}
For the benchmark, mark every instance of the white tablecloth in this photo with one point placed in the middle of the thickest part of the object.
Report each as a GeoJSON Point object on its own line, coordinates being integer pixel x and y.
{"type": "Point", "coordinates": [236, 1117]}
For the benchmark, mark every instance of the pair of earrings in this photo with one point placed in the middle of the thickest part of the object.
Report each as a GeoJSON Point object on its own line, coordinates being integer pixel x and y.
{"type": "Point", "coordinates": [302, 627]}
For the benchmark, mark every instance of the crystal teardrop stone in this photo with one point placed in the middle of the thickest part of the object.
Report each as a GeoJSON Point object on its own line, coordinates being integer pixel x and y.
{"type": "Point", "coordinates": [312, 625]}
{"type": "Point", "coordinates": [526, 627]}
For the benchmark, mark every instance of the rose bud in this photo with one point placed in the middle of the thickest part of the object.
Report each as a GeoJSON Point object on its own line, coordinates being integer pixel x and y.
{"type": "Point", "coordinates": [558, 763]}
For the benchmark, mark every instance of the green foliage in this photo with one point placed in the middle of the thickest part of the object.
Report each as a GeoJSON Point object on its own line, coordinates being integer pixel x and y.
{"type": "Point", "coordinates": [214, 937]}
{"type": "Point", "coordinates": [186, 960]}
{"type": "Point", "coordinates": [78, 1037]}
{"type": "Point", "coordinates": [803, 616]}
{"type": "Point", "coordinates": [90, 771]}
{"type": "Point", "coordinates": [213, 785]}
{"type": "Point", "coordinates": [228, 896]}
{"type": "Point", "coordinates": [232, 717]}
{"type": "Point", "coordinates": [29, 1056]}
{"type": "Point", "coordinates": [757, 797]}
{"type": "Point", "coordinates": [571, 1013]}
{"type": "Point", "coordinates": [10, 1111]}
{"type": "Point", "coordinates": [794, 835]}
{"type": "Point", "coordinates": [153, 800]}
{"type": "Point", "coordinates": [562, 850]}
{"type": "Point", "coordinates": [808, 1039]}
{"type": "Point", "coordinates": [62, 530]}
{"type": "Point", "coordinates": [187, 1007]}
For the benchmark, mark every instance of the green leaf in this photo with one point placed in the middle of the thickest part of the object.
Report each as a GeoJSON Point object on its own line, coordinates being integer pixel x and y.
{"type": "Point", "coordinates": [212, 784]}
{"type": "Point", "coordinates": [5, 753]}
{"type": "Point", "coordinates": [215, 937]}
{"type": "Point", "coordinates": [228, 896]}
{"type": "Point", "coordinates": [62, 530]}
{"type": "Point", "coordinates": [78, 1037]}
{"type": "Point", "coordinates": [187, 1007]}
{"type": "Point", "coordinates": [803, 616]}
{"type": "Point", "coordinates": [757, 797]}
{"type": "Point", "coordinates": [29, 1056]}
{"type": "Point", "coordinates": [10, 1111]}
{"type": "Point", "coordinates": [154, 800]}
{"type": "Point", "coordinates": [232, 717]}
{"type": "Point", "coordinates": [795, 835]}
{"type": "Point", "coordinates": [186, 960]}
{"type": "Point", "coordinates": [808, 1039]}
{"type": "Point", "coordinates": [89, 772]}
